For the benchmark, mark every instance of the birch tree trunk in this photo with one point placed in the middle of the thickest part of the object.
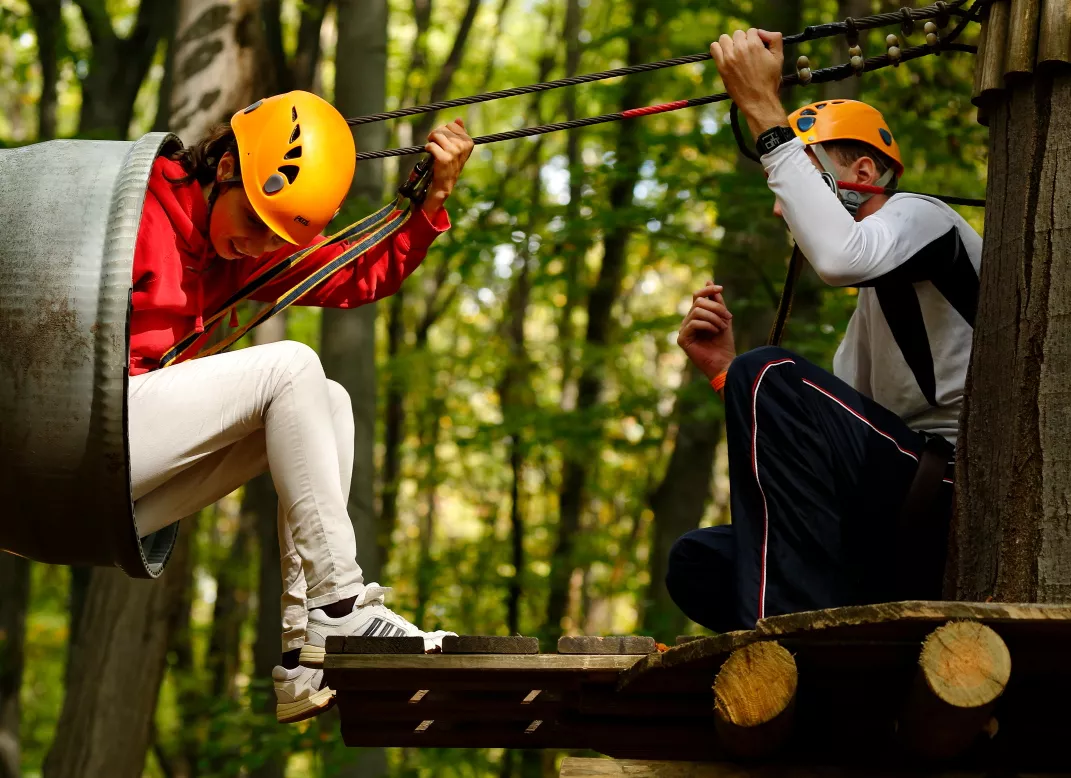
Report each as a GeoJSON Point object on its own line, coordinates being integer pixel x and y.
{"type": "Point", "coordinates": [220, 62]}
{"type": "Point", "coordinates": [117, 664]}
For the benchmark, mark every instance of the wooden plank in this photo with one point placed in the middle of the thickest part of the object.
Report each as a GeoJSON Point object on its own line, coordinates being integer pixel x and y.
{"type": "Point", "coordinates": [619, 644]}
{"type": "Point", "coordinates": [575, 767]}
{"type": "Point", "coordinates": [483, 663]}
{"type": "Point", "coordinates": [963, 668]}
{"type": "Point", "coordinates": [898, 614]}
{"type": "Point", "coordinates": [490, 644]}
{"type": "Point", "coordinates": [338, 644]}
{"type": "Point", "coordinates": [471, 671]}
{"type": "Point", "coordinates": [754, 699]}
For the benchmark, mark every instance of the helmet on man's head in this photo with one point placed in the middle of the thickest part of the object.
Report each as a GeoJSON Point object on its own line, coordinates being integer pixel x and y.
{"type": "Point", "coordinates": [297, 157]}
{"type": "Point", "coordinates": [846, 120]}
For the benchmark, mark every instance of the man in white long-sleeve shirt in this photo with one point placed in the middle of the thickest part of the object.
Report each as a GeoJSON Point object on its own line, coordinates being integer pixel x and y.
{"type": "Point", "coordinates": [830, 504]}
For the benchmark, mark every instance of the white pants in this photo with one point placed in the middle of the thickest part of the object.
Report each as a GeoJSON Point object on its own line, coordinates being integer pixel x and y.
{"type": "Point", "coordinates": [201, 429]}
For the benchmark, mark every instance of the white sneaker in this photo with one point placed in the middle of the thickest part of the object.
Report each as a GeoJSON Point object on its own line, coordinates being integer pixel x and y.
{"type": "Point", "coordinates": [369, 618]}
{"type": "Point", "coordinates": [298, 694]}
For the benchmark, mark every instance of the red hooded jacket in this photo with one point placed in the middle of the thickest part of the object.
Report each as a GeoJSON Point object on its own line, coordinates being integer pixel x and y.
{"type": "Point", "coordinates": [179, 281]}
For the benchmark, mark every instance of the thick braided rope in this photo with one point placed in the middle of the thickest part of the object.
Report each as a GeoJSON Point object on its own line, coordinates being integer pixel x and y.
{"type": "Point", "coordinates": [814, 32]}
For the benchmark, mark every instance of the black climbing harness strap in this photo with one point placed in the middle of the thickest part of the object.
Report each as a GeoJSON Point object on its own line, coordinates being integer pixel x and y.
{"type": "Point", "coordinates": [788, 293]}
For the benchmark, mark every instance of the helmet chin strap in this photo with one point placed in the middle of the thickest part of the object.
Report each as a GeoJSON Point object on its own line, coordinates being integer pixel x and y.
{"type": "Point", "coordinates": [850, 199]}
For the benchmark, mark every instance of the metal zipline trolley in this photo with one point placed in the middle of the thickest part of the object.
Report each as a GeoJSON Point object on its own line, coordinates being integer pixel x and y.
{"type": "Point", "coordinates": [72, 210]}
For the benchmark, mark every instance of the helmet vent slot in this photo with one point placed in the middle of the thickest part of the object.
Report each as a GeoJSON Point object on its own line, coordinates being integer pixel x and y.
{"type": "Point", "coordinates": [296, 133]}
{"type": "Point", "coordinates": [290, 171]}
{"type": "Point", "coordinates": [294, 153]}
{"type": "Point", "coordinates": [293, 113]}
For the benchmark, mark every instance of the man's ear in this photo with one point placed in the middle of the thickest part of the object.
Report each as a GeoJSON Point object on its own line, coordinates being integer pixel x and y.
{"type": "Point", "coordinates": [865, 171]}
{"type": "Point", "coordinates": [225, 168]}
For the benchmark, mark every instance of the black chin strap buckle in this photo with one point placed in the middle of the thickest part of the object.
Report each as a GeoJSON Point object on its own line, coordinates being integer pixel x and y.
{"type": "Point", "coordinates": [849, 199]}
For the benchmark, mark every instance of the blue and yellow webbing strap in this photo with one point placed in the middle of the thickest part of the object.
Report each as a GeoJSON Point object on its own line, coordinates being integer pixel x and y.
{"type": "Point", "coordinates": [368, 233]}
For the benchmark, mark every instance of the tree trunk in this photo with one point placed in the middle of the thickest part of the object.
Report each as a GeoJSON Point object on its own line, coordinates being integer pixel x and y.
{"type": "Point", "coordinates": [575, 240]}
{"type": "Point", "coordinates": [162, 120]}
{"type": "Point", "coordinates": [426, 568]}
{"type": "Point", "coordinates": [15, 584]}
{"type": "Point", "coordinates": [348, 337]}
{"type": "Point", "coordinates": [347, 340]}
{"type": "Point", "coordinates": [754, 246]}
{"type": "Point", "coordinates": [260, 502]}
{"type": "Point", "coordinates": [298, 71]}
{"type": "Point", "coordinates": [1011, 540]}
{"type": "Point", "coordinates": [117, 664]}
{"type": "Point", "coordinates": [681, 498]}
{"type": "Point", "coordinates": [229, 612]}
{"type": "Point", "coordinates": [260, 507]}
{"type": "Point", "coordinates": [220, 59]}
{"type": "Point", "coordinates": [49, 25]}
{"type": "Point", "coordinates": [600, 303]}
{"type": "Point", "coordinates": [118, 66]}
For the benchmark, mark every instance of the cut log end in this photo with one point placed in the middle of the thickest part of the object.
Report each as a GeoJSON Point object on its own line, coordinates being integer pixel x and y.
{"type": "Point", "coordinates": [755, 685]}
{"type": "Point", "coordinates": [754, 694]}
{"type": "Point", "coordinates": [964, 667]}
{"type": "Point", "coordinates": [965, 664]}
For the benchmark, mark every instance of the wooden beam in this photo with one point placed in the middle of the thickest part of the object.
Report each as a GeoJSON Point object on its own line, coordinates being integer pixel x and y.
{"type": "Point", "coordinates": [356, 644]}
{"type": "Point", "coordinates": [471, 671]}
{"type": "Point", "coordinates": [898, 613]}
{"type": "Point", "coordinates": [490, 644]}
{"type": "Point", "coordinates": [484, 663]}
{"type": "Point", "coordinates": [754, 696]}
{"type": "Point", "coordinates": [623, 644]}
{"type": "Point", "coordinates": [574, 767]}
{"type": "Point", "coordinates": [963, 669]}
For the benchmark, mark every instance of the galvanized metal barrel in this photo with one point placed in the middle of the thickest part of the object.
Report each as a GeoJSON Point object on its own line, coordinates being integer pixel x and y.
{"type": "Point", "coordinates": [69, 216]}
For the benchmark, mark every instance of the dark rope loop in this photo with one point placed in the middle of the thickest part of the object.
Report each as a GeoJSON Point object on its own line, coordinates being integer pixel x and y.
{"type": "Point", "coordinates": [738, 133]}
{"type": "Point", "coordinates": [907, 26]}
{"type": "Point", "coordinates": [851, 33]}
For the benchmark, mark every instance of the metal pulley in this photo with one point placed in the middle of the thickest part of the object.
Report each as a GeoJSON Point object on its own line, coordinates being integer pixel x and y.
{"type": "Point", "coordinates": [71, 214]}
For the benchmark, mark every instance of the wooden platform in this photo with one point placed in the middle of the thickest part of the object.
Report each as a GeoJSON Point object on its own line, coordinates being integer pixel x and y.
{"type": "Point", "coordinates": [858, 672]}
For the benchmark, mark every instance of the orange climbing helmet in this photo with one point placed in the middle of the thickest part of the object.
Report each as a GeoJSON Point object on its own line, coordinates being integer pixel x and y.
{"type": "Point", "coordinates": [297, 157]}
{"type": "Point", "coordinates": [833, 120]}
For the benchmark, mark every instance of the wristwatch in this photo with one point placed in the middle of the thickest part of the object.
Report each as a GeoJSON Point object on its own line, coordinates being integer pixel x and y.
{"type": "Point", "coordinates": [772, 138]}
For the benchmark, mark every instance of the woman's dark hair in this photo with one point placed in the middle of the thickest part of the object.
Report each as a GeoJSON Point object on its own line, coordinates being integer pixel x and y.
{"type": "Point", "coordinates": [201, 159]}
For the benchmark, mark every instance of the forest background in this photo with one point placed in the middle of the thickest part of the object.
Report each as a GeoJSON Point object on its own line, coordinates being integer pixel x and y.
{"type": "Point", "coordinates": [530, 439]}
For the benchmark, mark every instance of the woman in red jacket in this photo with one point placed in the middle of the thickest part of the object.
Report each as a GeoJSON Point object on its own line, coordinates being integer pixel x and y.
{"type": "Point", "coordinates": [248, 195]}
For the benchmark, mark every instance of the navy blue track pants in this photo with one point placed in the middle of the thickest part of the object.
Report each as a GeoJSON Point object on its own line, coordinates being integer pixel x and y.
{"type": "Point", "coordinates": [819, 473]}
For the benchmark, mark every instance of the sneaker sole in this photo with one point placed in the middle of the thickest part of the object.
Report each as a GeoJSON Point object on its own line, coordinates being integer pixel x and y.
{"type": "Point", "coordinates": [313, 705]}
{"type": "Point", "coordinates": [312, 656]}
